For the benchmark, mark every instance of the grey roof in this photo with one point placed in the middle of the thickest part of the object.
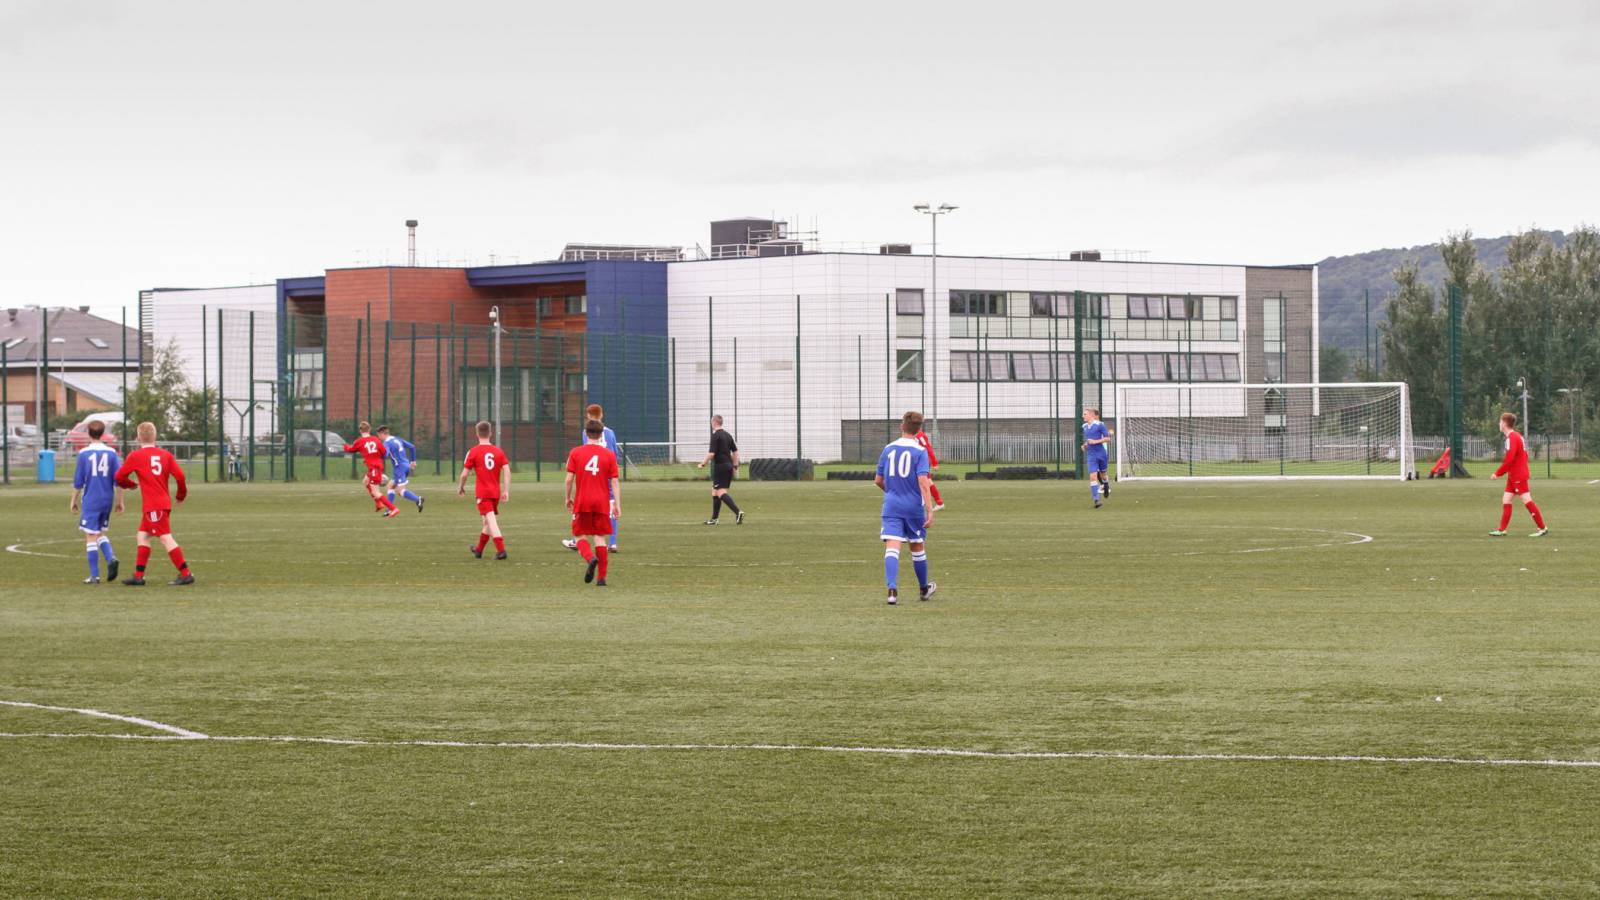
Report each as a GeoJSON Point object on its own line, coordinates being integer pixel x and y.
{"type": "Point", "coordinates": [78, 332]}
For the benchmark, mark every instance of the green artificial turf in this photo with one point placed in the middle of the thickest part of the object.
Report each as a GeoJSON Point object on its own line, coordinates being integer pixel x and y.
{"type": "Point", "coordinates": [1206, 618]}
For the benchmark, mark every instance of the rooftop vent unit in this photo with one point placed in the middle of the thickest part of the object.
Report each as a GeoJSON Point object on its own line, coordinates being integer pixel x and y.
{"type": "Point", "coordinates": [1085, 256]}
{"type": "Point", "coordinates": [894, 249]}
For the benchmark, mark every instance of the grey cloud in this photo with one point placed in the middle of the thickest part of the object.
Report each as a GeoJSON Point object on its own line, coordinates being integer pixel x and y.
{"type": "Point", "coordinates": [25, 23]}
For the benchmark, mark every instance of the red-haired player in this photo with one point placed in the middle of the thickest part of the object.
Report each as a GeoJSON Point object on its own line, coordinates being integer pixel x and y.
{"type": "Point", "coordinates": [594, 495]}
{"type": "Point", "coordinates": [492, 470]}
{"type": "Point", "coordinates": [154, 466]}
{"type": "Point", "coordinates": [1515, 468]}
{"type": "Point", "coordinates": [372, 452]}
{"type": "Point", "coordinates": [922, 438]}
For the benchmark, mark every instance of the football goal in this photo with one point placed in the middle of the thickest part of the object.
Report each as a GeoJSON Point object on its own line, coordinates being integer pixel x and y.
{"type": "Point", "coordinates": [659, 460]}
{"type": "Point", "coordinates": [1263, 431]}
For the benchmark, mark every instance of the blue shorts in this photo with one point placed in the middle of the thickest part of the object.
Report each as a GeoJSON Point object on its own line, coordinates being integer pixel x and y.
{"type": "Point", "coordinates": [899, 528]}
{"type": "Point", "coordinates": [94, 520]}
{"type": "Point", "coordinates": [402, 475]}
{"type": "Point", "coordinates": [1097, 461]}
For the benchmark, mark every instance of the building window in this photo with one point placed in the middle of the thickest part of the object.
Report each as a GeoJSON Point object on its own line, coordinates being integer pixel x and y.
{"type": "Point", "coordinates": [977, 303]}
{"type": "Point", "coordinates": [1272, 337]}
{"type": "Point", "coordinates": [908, 365]}
{"type": "Point", "coordinates": [1230, 308]}
{"type": "Point", "coordinates": [577, 305]}
{"type": "Point", "coordinates": [1043, 305]}
{"type": "Point", "coordinates": [577, 382]}
{"type": "Point", "coordinates": [908, 301]}
{"type": "Point", "coordinates": [545, 307]}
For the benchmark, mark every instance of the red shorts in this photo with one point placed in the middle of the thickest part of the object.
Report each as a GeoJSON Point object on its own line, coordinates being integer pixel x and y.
{"type": "Point", "coordinates": [156, 522]}
{"type": "Point", "coordinates": [1516, 487]}
{"type": "Point", "coordinates": [591, 523]}
{"type": "Point", "coordinates": [486, 506]}
{"type": "Point", "coordinates": [375, 476]}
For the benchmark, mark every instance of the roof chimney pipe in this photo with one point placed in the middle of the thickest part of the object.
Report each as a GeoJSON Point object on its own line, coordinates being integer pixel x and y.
{"type": "Point", "coordinates": [411, 243]}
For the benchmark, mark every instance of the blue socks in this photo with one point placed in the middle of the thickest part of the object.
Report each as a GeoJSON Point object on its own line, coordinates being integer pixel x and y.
{"type": "Point", "coordinates": [105, 550]}
{"type": "Point", "coordinates": [406, 494]}
{"type": "Point", "coordinates": [1094, 489]}
{"type": "Point", "coordinates": [919, 561]}
{"type": "Point", "coordinates": [94, 560]}
{"type": "Point", "coordinates": [891, 568]}
{"type": "Point", "coordinates": [613, 541]}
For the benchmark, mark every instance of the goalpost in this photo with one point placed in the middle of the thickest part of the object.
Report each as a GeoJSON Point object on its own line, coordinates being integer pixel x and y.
{"type": "Point", "coordinates": [654, 460]}
{"type": "Point", "coordinates": [1263, 431]}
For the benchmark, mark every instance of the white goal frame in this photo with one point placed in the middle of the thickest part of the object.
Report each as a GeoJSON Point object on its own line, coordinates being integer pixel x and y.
{"type": "Point", "coordinates": [1407, 440]}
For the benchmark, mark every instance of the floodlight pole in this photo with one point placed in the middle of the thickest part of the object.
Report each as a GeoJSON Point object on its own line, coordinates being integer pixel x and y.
{"type": "Point", "coordinates": [930, 365]}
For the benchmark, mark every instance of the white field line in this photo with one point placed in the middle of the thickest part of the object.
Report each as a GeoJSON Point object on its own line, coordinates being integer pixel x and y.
{"type": "Point", "coordinates": [1359, 539]}
{"type": "Point", "coordinates": [98, 714]}
{"type": "Point", "coordinates": [174, 733]}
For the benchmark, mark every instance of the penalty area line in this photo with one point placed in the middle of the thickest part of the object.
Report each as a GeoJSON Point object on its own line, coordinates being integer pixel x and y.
{"type": "Point", "coordinates": [946, 752]}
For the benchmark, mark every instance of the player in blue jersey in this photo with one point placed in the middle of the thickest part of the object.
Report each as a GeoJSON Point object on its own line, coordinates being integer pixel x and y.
{"type": "Point", "coordinates": [608, 437]}
{"type": "Point", "coordinates": [94, 482]}
{"type": "Point", "coordinates": [1096, 456]}
{"type": "Point", "coordinates": [403, 455]}
{"type": "Point", "coordinates": [903, 476]}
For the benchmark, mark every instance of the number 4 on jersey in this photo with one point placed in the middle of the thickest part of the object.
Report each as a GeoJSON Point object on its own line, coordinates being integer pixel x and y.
{"type": "Point", "coordinates": [593, 465]}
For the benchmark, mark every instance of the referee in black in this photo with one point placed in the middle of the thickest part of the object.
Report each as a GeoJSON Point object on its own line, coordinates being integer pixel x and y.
{"type": "Point", "coordinates": [724, 459]}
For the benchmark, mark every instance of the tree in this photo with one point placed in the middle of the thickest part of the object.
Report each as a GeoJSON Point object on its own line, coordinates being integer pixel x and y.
{"type": "Point", "coordinates": [1333, 363]}
{"type": "Point", "coordinates": [163, 396]}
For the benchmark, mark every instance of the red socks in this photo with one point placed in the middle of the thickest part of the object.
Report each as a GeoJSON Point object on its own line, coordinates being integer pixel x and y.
{"type": "Point", "coordinates": [1505, 516]}
{"type": "Point", "coordinates": [176, 555]}
{"type": "Point", "coordinates": [934, 490]}
{"type": "Point", "coordinates": [605, 556]}
{"type": "Point", "coordinates": [500, 545]}
{"type": "Point", "coordinates": [483, 540]}
{"type": "Point", "coordinates": [1537, 519]}
{"type": "Point", "coordinates": [584, 550]}
{"type": "Point", "coordinates": [141, 558]}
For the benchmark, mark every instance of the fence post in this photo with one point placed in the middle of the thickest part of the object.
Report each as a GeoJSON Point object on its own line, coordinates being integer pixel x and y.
{"type": "Point", "coordinates": [711, 357]}
{"type": "Point", "coordinates": [672, 395]}
{"type": "Point", "coordinates": [453, 422]}
{"type": "Point", "coordinates": [1055, 378]}
{"type": "Point", "coordinates": [411, 391]}
{"type": "Point", "coordinates": [1457, 468]}
{"type": "Point", "coordinates": [355, 397]}
{"type": "Point", "coordinates": [1078, 378]}
{"type": "Point", "coordinates": [438, 397]}
{"type": "Point", "coordinates": [888, 374]}
{"type": "Point", "coordinates": [322, 439]}
{"type": "Point", "coordinates": [735, 379]}
{"type": "Point", "coordinates": [388, 328]}
{"type": "Point", "coordinates": [371, 339]}
{"type": "Point", "coordinates": [222, 416]}
{"type": "Point", "coordinates": [205, 407]}
{"type": "Point", "coordinates": [286, 384]}
{"type": "Point", "coordinates": [5, 405]}
{"type": "Point", "coordinates": [250, 397]}
{"type": "Point", "coordinates": [797, 441]}
{"type": "Point", "coordinates": [982, 371]}
{"type": "Point", "coordinates": [516, 391]}
{"type": "Point", "coordinates": [124, 367]}
{"type": "Point", "coordinates": [538, 378]}
{"type": "Point", "coordinates": [860, 409]}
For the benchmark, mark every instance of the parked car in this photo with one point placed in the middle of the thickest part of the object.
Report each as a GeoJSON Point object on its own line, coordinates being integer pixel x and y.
{"type": "Point", "coordinates": [78, 437]}
{"type": "Point", "coordinates": [310, 442]}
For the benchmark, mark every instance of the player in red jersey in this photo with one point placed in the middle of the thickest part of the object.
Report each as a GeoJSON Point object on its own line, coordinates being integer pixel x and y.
{"type": "Point", "coordinates": [1515, 468]}
{"type": "Point", "coordinates": [153, 466]}
{"type": "Point", "coordinates": [922, 438]}
{"type": "Point", "coordinates": [372, 453]}
{"type": "Point", "coordinates": [492, 469]}
{"type": "Point", "coordinates": [594, 494]}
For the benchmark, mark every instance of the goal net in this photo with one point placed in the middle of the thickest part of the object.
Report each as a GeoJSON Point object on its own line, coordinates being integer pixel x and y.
{"type": "Point", "coordinates": [642, 461]}
{"type": "Point", "coordinates": [1263, 431]}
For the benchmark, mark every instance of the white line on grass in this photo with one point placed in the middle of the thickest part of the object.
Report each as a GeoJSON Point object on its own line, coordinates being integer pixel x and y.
{"type": "Point", "coordinates": [1359, 539]}
{"type": "Point", "coordinates": [174, 733]}
{"type": "Point", "coordinates": [97, 714]}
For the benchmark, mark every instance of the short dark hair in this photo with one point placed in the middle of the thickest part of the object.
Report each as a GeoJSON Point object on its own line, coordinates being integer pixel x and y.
{"type": "Point", "coordinates": [1510, 419]}
{"type": "Point", "coordinates": [96, 428]}
{"type": "Point", "coordinates": [911, 422]}
{"type": "Point", "coordinates": [383, 428]}
{"type": "Point", "coordinates": [484, 429]}
{"type": "Point", "coordinates": [1093, 409]}
{"type": "Point", "coordinates": [593, 428]}
{"type": "Point", "coordinates": [717, 419]}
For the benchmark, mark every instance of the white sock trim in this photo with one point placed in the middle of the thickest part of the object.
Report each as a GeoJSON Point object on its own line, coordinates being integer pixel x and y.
{"type": "Point", "coordinates": [891, 554]}
{"type": "Point", "coordinates": [920, 557]}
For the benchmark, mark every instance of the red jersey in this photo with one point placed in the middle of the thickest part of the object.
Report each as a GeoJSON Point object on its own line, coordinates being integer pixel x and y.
{"type": "Point", "coordinates": [593, 467]}
{"type": "Point", "coordinates": [486, 462]}
{"type": "Point", "coordinates": [922, 438]}
{"type": "Point", "coordinates": [1515, 465]}
{"type": "Point", "coordinates": [154, 466]}
{"type": "Point", "coordinates": [370, 448]}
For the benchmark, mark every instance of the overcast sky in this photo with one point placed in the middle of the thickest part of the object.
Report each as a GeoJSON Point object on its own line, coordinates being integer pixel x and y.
{"type": "Point", "coordinates": [181, 143]}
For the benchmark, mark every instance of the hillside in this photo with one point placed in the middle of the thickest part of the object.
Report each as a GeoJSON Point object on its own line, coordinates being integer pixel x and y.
{"type": "Point", "coordinates": [1344, 279]}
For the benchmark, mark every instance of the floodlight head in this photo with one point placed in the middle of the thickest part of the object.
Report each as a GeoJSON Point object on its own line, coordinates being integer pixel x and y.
{"type": "Point", "coordinates": [921, 207]}
{"type": "Point", "coordinates": [945, 207]}
{"type": "Point", "coordinates": [494, 313]}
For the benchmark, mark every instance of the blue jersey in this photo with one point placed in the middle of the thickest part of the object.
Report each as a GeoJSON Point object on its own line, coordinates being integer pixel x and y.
{"type": "Point", "coordinates": [900, 464]}
{"type": "Point", "coordinates": [96, 476]}
{"type": "Point", "coordinates": [610, 439]}
{"type": "Point", "coordinates": [1093, 431]}
{"type": "Point", "coordinates": [401, 452]}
